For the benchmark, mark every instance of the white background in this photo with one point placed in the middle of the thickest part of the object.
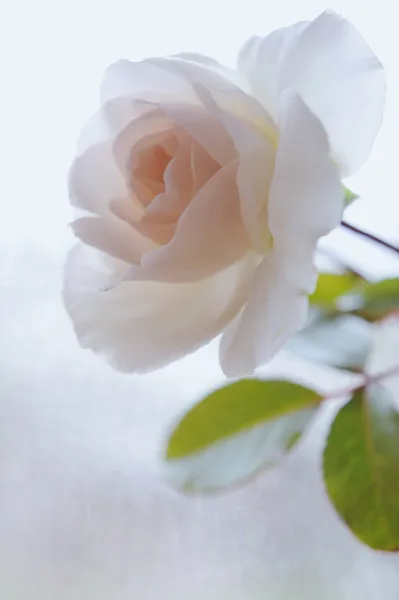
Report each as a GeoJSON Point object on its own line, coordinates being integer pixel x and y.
{"type": "Point", "coordinates": [84, 510]}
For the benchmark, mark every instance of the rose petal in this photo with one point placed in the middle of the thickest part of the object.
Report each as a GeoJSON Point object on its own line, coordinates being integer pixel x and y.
{"type": "Point", "coordinates": [154, 81]}
{"type": "Point", "coordinates": [190, 169]}
{"type": "Point", "coordinates": [261, 60]}
{"type": "Point", "coordinates": [178, 181]}
{"type": "Point", "coordinates": [141, 325]}
{"type": "Point", "coordinates": [336, 73]}
{"type": "Point", "coordinates": [152, 127]}
{"type": "Point", "coordinates": [127, 209]}
{"type": "Point", "coordinates": [95, 179]}
{"type": "Point", "coordinates": [127, 88]}
{"type": "Point", "coordinates": [203, 167]}
{"type": "Point", "coordinates": [192, 72]}
{"type": "Point", "coordinates": [144, 80]}
{"type": "Point", "coordinates": [94, 132]}
{"type": "Point", "coordinates": [305, 202]}
{"type": "Point", "coordinates": [113, 237]}
{"type": "Point", "coordinates": [210, 234]}
{"type": "Point", "coordinates": [168, 84]}
{"type": "Point", "coordinates": [148, 166]}
{"type": "Point", "coordinates": [161, 120]}
{"type": "Point", "coordinates": [157, 230]}
{"type": "Point", "coordinates": [342, 82]}
{"type": "Point", "coordinates": [276, 309]}
{"type": "Point", "coordinates": [255, 137]}
{"type": "Point", "coordinates": [228, 97]}
{"type": "Point", "coordinates": [306, 197]}
{"type": "Point", "coordinates": [213, 64]}
{"type": "Point", "coordinates": [204, 128]}
{"type": "Point", "coordinates": [161, 216]}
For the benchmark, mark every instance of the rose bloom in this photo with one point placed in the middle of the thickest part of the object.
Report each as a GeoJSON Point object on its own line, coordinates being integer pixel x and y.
{"type": "Point", "coordinates": [205, 191]}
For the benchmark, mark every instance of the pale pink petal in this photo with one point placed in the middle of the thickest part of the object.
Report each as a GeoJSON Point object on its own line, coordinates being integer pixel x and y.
{"type": "Point", "coordinates": [305, 202]}
{"type": "Point", "coordinates": [306, 196]}
{"type": "Point", "coordinates": [159, 224]}
{"type": "Point", "coordinates": [113, 237]}
{"type": "Point", "coordinates": [168, 84]}
{"type": "Point", "coordinates": [147, 166]}
{"type": "Point", "coordinates": [139, 325]}
{"type": "Point", "coordinates": [202, 74]}
{"type": "Point", "coordinates": [120, 112]}
{"type": "Point", "coordinates": [128, 86]}
{"type": "Point", "coordinates": [276, 309]}
{"type": "Point", "coordinates": [330, 65]}
{"type": "Point", "coordinates": [190, 169]}
{"type": "Point", "coordinates": [211, 63]}
{"type": "Point", "coordinates": [342, 82]}
{"type": "Point", "coordinates": [210, 234]}
{"type": "Point", "coordinates": [204, 128]}
{"type": "Point", "coordinates": [159, 231]}
{"type": "Point", "coordinates": [165, 82]}
{"type": "Point", "coordinates": [260, 61]}
{"type": "Point", "coordinates": [161, 216]}
{"type": "Point", "coordinates": [245, 119]}
{"type": "Point", "coordinates": [194, 71]}
{"type": "Point", "coordinates": [94, 132]}
{"type": "Point", "coordinates": [127, 209]}
{"type": "Point", "coordinates": [151, 128]}
{"type": "Point", "coordinates": [113, 117]}
{"type": "Point", "coordinates": [255, 138]}
{"type": "Point", "coordinates": [144, 80]}
{"type": "Point", "coordinates": [254, 177]}
{"type": "Point", "coordinates": [95, 180]}
{"type": "Point", "coordinates": [178, 179]}
{"type": "Point", "coordinates": [203, 167]}
{"type": "Point", "coordinates": [228, 98]}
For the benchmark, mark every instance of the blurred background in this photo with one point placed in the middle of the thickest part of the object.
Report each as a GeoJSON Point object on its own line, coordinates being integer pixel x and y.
{"type": "Point", "coordinates": [85, 510]}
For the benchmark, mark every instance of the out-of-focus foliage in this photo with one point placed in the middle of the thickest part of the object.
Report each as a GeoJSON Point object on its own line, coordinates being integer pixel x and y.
{"type": "Point", "coordinates": [373, 301]}
{"type": "Point", "coordinates": [330, 287]}
{"type": "Point", "coordinates": [349, 196]}
{"type": "Point", "coordinates": [341, 341]}
{"type": "Point", "coordinates": [342, 307]}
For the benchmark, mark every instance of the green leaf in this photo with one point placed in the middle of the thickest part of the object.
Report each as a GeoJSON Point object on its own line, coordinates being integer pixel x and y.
{"type": "Point", "coordinates": [330, 287]}
{"type": "Point", "coordinates": [373, 301]}
{"type": "Point", "coordinates": [341, 341]}
{"type": "Point", "coordinates": [349, 196]}
{"type": "Point", "coordinates": [238, 430]}
{"type": "Point", "coordinates": [361, 467]}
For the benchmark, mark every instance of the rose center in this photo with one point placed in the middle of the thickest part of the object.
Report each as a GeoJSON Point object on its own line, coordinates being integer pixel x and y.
{"type": "Point", "coordinates": [149, 167]}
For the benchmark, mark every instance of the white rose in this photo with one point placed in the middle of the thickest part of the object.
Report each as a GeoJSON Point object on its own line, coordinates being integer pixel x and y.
{"type": "Point", "coordinates": [208, 190]}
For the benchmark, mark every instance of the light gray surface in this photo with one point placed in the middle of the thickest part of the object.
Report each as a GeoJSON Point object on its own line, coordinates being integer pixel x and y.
{"type": "Point", "coordinates": [85, 512]}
